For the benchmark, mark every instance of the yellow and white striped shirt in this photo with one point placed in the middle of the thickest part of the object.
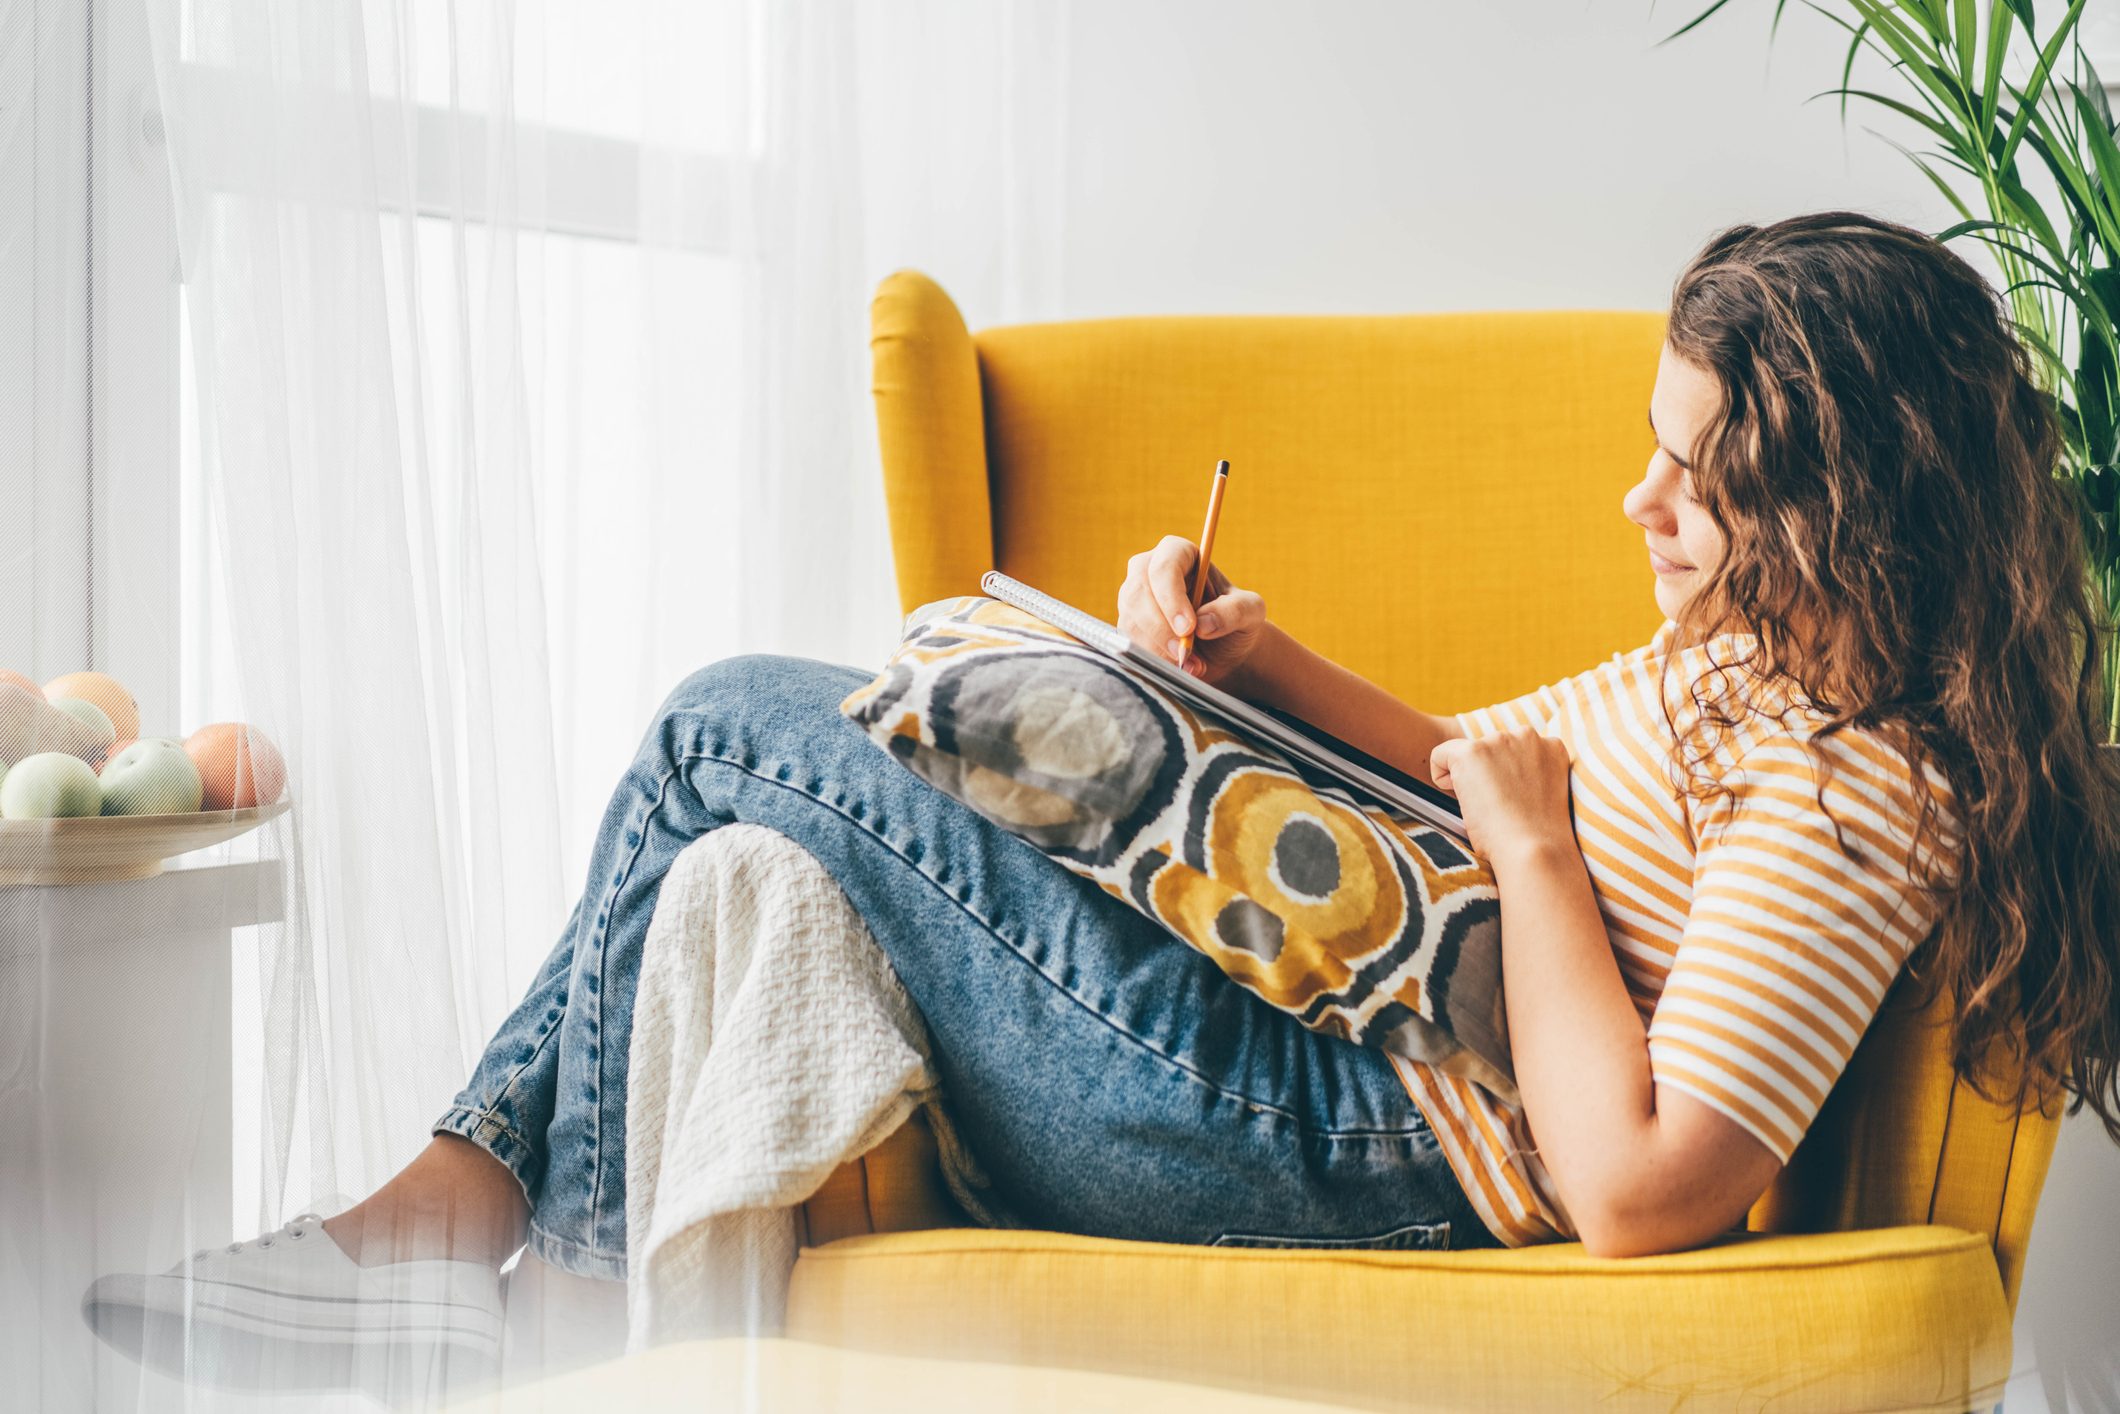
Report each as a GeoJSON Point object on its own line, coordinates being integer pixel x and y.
{"type": "Point", "coordinates": [1755, 939]}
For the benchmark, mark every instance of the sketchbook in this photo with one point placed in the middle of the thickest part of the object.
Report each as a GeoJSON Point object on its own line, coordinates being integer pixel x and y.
{"type": "Point", "coordinates": [1323, 754]}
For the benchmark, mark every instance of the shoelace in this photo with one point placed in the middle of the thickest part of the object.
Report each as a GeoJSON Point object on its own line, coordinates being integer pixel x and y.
{"type": "Point", "coordinates": [296, 1229]}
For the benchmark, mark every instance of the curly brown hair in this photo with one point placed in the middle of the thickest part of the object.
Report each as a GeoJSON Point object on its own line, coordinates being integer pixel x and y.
{"type": "Point", "coordinates": [1903, 555]}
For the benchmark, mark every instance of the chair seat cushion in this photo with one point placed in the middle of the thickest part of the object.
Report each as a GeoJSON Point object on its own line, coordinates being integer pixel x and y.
{"type": "Point", "coordinates": [764, 1375]}
{"type": "Point", "coordinates": [1896, 1318]}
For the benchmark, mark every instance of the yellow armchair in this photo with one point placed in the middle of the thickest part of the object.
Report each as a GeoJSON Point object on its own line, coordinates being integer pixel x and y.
{"type": "Point", "coordinates": [1434, 500]}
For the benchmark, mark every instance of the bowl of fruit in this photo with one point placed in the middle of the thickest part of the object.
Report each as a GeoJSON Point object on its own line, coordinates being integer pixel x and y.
{"type": "Point", "coordinates": [84, 798]}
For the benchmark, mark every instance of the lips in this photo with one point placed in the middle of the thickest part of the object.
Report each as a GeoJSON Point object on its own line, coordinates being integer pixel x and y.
{"type": "Point", "coordinates": [1663, 566]}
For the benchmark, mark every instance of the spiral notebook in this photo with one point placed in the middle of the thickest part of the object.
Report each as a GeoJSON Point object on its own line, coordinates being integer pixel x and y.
{"type": "Point", "coordinates": [1323, 754]}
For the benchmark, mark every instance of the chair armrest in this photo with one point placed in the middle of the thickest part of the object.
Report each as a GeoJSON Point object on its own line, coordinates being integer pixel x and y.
{"type": "Point", "coordinates": [895, 1187]}
{"type": "Point", "coordinates": [931, 429]}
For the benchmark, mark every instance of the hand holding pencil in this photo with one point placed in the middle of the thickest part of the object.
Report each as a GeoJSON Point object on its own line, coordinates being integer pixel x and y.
{"type": "Point", "coordinates": [1177, 603]}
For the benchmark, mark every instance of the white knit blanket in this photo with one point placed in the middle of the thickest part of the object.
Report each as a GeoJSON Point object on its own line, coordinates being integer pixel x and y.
{"type": "Point", "coordinates": [771, 1043]}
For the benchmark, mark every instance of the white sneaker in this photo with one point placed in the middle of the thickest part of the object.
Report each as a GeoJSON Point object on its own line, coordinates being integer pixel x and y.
{"type": "Point", "coordinates": [290, 1311]}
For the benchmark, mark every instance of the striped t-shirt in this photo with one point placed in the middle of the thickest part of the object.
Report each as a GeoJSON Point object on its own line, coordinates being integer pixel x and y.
{"type": "Point", "coordinates": [1756, 941]}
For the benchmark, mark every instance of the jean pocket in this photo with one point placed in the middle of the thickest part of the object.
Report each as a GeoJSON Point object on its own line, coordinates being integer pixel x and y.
{"type": "Point", "coordinates": [1413, 1237]}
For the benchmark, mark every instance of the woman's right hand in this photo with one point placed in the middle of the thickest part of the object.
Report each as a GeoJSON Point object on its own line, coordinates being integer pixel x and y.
{"type": "Point", "coordinates": [1155, 611]}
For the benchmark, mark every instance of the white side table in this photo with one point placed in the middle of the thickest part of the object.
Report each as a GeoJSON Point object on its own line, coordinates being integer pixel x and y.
{"type": "Point", "coordinates": [115, 1106]}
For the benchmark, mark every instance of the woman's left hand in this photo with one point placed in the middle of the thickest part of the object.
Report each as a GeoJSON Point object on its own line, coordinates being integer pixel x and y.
{"type": "Point", "coordinates": [1512, 787]}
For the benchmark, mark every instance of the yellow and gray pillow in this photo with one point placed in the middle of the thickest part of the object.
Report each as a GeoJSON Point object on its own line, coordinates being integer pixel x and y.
{"type": "Point", "coordinates": [1383, 932]}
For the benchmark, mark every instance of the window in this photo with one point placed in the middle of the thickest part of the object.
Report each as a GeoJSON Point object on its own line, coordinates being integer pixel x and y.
{"type": "Point", "coordinates": [622, 292]}
{"type": "Point", "coordinates": [612, 260]}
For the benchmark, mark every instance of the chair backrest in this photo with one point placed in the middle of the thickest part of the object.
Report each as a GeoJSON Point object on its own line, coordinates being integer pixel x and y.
{"type": "Point", "coordinates": [1902, 1139]}
{"type": "Point", "coordinates": [1432, 499]}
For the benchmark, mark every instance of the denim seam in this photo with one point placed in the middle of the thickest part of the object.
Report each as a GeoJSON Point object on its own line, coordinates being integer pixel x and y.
{"type": "Point", "coordinates": [1393, 1239]}
{"type": "Point", "coordinates": [562, 1252]}
{"type": "Point", "coordinates": [598, 934]}
{"type": "Point", "coordinates": [486, 1117]}
{"type": "Point", "coordinates": [992, 929]}
{"type": "Point", "coordinates": [515, 1076]}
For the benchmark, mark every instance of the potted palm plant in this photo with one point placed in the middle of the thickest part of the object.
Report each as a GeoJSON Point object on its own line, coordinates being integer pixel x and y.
{"type": "Point", "coordinates": [1999, 95]}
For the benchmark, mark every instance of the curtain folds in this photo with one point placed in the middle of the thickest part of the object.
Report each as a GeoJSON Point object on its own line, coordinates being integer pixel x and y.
{"type": "Point", "coordinates": [524, 371]}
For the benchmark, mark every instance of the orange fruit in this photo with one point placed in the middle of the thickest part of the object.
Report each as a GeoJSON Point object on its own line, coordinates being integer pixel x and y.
{"type": "Point", "coordinates": [28, 685]}
{"type": "Point", "coordinates": [106, 692]}
{"type": "Point", "coordinates": [238, 765]}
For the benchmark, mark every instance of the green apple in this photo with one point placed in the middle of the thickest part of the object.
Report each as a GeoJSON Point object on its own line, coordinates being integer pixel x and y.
{"type": "Point", "coordinates": [29, 724]}
{"type": "Point", "coordinates": [89, 715]}
{"type": "Point", "coordinates": [50, 785]}
{"type": "Point", "coordinates": [151, 777]}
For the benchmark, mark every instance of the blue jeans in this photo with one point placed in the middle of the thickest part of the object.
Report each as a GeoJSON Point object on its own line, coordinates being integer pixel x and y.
{"type": "Point", "coordinates": [1108, 1079]}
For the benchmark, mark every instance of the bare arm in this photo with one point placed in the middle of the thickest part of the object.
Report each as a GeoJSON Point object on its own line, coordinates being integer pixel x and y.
{"type": "Point", "coordinates": [1238, 649]}
{"type": "Point", "coordinates": [1641, 1167]}
{"type": "Point", "coordinates": [1283, 673]}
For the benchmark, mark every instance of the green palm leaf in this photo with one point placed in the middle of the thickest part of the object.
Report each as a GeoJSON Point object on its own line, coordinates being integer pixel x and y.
{"type": "Point", "coordinates": [2028, 100]}
{"type": "Point", "coordinates": [1998, 48]}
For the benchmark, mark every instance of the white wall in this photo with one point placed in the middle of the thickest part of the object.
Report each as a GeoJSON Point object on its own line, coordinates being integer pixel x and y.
{"type": "Point", "coordinates": [1246, 155]}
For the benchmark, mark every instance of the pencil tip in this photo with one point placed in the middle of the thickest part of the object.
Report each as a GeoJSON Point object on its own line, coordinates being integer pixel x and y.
{"type": "Point", "coordinates": [1222, 468]}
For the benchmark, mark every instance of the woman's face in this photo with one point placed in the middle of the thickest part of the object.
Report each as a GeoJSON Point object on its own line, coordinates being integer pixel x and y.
{"type": "Point", "coordinates": [1684, 544]}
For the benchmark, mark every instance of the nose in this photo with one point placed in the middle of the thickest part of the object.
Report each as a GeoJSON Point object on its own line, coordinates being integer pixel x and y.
{"type": "Point", "coordinates": [1648, 502]}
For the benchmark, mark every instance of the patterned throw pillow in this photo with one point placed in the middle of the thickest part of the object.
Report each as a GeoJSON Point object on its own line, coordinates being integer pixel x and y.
{"type": "Point", "coordinates": [1382, 932]}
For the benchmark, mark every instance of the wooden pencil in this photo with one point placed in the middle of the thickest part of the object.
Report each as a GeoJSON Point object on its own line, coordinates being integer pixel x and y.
{"type": "Point", "coordinates": [1207, 550]}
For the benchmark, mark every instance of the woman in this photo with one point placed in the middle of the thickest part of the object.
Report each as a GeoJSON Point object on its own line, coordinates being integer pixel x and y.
{"type": "Point", "coordinates": [1866, 734]}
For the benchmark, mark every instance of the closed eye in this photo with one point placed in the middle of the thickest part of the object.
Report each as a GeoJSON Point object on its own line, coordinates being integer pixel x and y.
{"type": "Point", "coordinates": [1682, 462]}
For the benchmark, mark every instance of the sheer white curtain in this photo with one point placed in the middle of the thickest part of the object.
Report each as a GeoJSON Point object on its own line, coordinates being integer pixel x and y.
{"type": "Point", "coordinates": [529, 372]}
{"type": "Point", "coordinates": [529, 350]}
{"type": "Point", "coordinates": [519, 354]}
